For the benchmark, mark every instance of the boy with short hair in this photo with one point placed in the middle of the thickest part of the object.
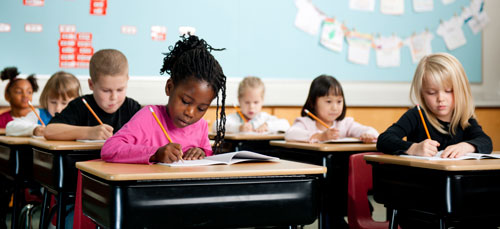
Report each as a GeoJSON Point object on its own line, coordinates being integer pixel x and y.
{"type": "Point", "coordinates": [108, 80]}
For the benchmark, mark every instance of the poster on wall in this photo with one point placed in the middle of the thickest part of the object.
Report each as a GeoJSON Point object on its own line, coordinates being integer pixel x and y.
{"type": "Point", "coordinates": [33, 2]}
{"type": "Point", "coordinates": [33, 28]}
{"type": "Point", "coordinates": [128, 29]}
{"type": "Point", "coordinates": [98, 7]}
{"type": "Point", "coordinates": [158, 33]}
{"type": "Point", "coordinates": [4, 28]}
{"type": "Point", "coordinates": [75, 48]}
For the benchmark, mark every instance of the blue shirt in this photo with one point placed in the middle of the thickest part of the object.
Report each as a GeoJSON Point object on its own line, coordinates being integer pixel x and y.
{"type": "Point", "coordinates": [45, 116]}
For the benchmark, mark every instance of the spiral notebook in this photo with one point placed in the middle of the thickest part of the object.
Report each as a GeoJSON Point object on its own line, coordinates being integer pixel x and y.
{"type": "Point", "coordinates": [437, 157]}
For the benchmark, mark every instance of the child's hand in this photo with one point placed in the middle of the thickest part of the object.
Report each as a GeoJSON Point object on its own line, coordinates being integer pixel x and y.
{"type": "Point", "coordinates": [457, 150]}
{"type": "Point", "coordinates": [100, 132]}
{"type": "Point", "coordinates": [168, 153]}
{"type": "Point", "coordinates": [330, 134]}
{"type": "Point", "coordinates": [426, 148]}
{"type": "Point", "coordinates": [38, 131]}
{"type": "Point", "coordinates": [246, 127]}
{"type": "Point", "coordinates": [194, 154]}
{"type": "Point", "coordinates": [262, 128]}
{"type": "Point", "coordinates": [367, 138]}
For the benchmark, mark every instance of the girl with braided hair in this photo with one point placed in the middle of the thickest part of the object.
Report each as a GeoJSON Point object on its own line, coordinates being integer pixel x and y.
{"type": "Point", "coordinates": [18, 93]}
{"type": "Point", "coordinates": [196, 78]}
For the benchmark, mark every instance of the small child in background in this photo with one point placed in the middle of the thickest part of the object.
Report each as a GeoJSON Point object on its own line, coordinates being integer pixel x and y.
{"type": "Point", "coordinates": [251, 97]}
{"type": "Point", "coordinates": [18, 93]}
{"type": "Point", "coordinates": [326, 101]}
{"type": "Point", "coordinates": [195, 80]}
{"type": "Point", "coordinates": [108, 70]}
{"type": "Point", "coordinates": [441, 87]}
{"type": "Point", "coordinates": [61, 88]}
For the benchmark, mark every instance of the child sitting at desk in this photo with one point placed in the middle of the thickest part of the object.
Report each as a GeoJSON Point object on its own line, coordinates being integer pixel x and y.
{"type": "Point", "coordinates": [441, 86]}
{"type": "Point", "coordinates": [18, 93]}
{"type": "Point", "coordinates": [326, 101]}
{"type": "Point", "coordinates": [108, 70]}
{"type": "Point", "coordinates": [61, 88]}
{"type": "Point", "coordinates": [252, 119]}
{"type": "Point", "coordinates": [195, 80]}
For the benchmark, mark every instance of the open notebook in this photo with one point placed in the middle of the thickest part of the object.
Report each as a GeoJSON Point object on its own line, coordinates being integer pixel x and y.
{"type": "Point", "coordinates": [343, 140]}
{"type": "Point", "coordinates": [225, 158]}
{"type": "Point", "coordinates": [437, 157]}
{"type": "Point", "coordinates": [90, 141]}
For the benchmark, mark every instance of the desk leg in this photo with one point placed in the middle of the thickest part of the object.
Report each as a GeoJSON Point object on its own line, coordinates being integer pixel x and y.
{"type": "Point", "coordinates": [15, 205]}
{"type": "Point", "coordinates": [61, 210]}
{"type": "Point", "coordinates": [393, 223]}
{"type": "Point", "coordinates": [45, 209]}
{"type": "Point", "coordinates": [442, 223]}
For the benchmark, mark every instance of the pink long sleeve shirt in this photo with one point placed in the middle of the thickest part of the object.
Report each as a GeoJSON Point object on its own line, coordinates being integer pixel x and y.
{"type": "Point", "coordinates": [139, 139]}
{"type": "Point", "coordinates": [304, 128]}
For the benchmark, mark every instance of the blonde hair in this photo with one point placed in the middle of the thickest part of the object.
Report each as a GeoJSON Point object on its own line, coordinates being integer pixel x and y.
{"type": "Point", "coordinates": [250, 82]}
{"type": "Point", "coordinates": [107, 62]}
{"type": "Point", "coordinates": [447, 71]}
{"type": "Point", "coordinates": [60, 85]}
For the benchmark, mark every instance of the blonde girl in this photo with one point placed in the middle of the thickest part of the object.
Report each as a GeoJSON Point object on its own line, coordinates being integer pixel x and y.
{"type": "Point", "coordinates": [442, 89]}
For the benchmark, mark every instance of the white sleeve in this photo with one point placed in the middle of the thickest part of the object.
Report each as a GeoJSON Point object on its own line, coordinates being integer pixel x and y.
{"type": "Point", "coordinates": [275, 124]}
{"type": "Point", "coordinates": [23, 126]}
{"type": "Point", "coordinates": [233, 123]}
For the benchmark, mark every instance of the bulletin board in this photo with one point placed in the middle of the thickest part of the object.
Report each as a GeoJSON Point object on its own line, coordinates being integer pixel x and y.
{"type": "Point", "coordinates": [259, 36]}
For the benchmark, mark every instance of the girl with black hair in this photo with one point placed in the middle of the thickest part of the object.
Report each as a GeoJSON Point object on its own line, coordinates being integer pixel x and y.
{"type": "Point", "coordinates": [17, 92]}
{"type": "Point", "coordinates": [326, 101]}
{"type": "Point", "coordinates": [195, 80]}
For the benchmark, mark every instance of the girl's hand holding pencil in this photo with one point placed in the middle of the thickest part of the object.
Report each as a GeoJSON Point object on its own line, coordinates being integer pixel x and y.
{"type": "Point", "coordinates": [169, 153]}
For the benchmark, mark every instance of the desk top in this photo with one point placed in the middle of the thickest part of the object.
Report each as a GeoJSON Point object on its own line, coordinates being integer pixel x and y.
{"type": "Point", "coordinates": [327, 147]}
{"type": "Point", "coordinates": [252, 137]}
{"type": "Point", "coordinates": [9, 140]}
{"type": "Point", "coordinates": [124, 172]}
{"type": "Point", "coordinates": [455, 165]}
{"type": "Point", "coordinates": [65, 145]}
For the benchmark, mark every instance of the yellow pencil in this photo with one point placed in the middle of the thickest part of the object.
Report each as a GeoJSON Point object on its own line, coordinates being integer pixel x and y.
{"type": "Point", "coordinates": [423, 121]}
{"type": "Point", "coordinates": [162, 128]}
{"type": "Point", "coordinates": [316, 118]}
{"type": "Point", "coordinates": [34, 111]}
{"type": "Point", "coordinates": [239, 112]}
{"type": "Point", "coordinates": [92, 111]}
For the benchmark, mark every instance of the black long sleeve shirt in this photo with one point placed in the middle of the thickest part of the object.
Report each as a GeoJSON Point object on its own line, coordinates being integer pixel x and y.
{"type": "Point", "coordinates": [410, 126]}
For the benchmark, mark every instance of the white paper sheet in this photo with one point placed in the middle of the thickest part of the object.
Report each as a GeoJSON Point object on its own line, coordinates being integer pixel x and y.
{"type": "Point", "coordinates": [359, 48]}
{"type": "Point", "coordinates": [363, 5]}
{"type": "Point", "coordinates": [423, 5]}
{"type": "Point", "coordinates": [308, 18]}
{"type": "Point", "coordinates": [392, 7]}
{"type": "Point", "coordinates": [420, 45]}
{"type": "Point", "coordinates": [452, 33]}
{"type": "Point", "coordinates": [388, 51]}
{"type": "Point", "coordinates": [332, 35]}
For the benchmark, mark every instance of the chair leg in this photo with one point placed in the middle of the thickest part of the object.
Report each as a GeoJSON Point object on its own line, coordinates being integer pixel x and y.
{"type": "Point", "coordinates": [393, 223]}
{"type": "Point", "coordinates": [442, 223]}
{"type": "Point", "coordinates": [45, 208]}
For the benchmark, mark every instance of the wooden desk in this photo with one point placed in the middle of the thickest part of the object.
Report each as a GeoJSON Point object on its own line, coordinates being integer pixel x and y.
{"type": "Point", "coordinates": [253, 142]}
{"type": "Point", "coordinates": [16, 163]}
{"type": "Point", "coordinates": [334, 156]}
{"type": "Point", "coordinates": [240, 195]}
{"type": "Point", "coordinates": [450, 193]}
{"type": "Point", "coordinates": [54, 168]}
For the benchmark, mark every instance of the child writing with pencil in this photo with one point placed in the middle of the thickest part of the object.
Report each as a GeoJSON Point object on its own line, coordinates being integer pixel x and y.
{"type": "Point", "coordinates": [18, 92]}
{"type": "Point", "coordinates": [179, 132]}
{"type": "Point", "coordinates": [251, 118]}
{"type": "Point", "coordinates": [61, 88]}
{"type": "Point", "coordinates": [323, 116]}
{"type": "Point", "coordinates": [442, 89]}
{"type": "Point", "coordinates": [108, 70]}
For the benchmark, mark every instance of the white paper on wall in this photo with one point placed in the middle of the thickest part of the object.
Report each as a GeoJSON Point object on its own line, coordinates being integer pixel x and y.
{"type": "Point", "coordinates": [359, 47]}
{"type": "Point", "coordinates": [392, 7]}
{"type": "Point", "coordinates": [308, 18]}
{"type": "Point", "coordinates": [332, 35]}
{"type": "Point", "coordinates": [452, 33]}
{"type": "Point", "coordinates": [362, 5]}
{"type": "Point", "coordinates": [475, 16]}
{"type": "Point", "coordinates": [446, 2]}
{"type": "Point", "coordinates": [420, 45]}
{"type": "Point", "coordinates": [388, 51]}
{"type": "Point", "coordinates": [423, 5]}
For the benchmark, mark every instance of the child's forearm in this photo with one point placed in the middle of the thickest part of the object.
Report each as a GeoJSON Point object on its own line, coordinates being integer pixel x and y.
{"type": "Point", "coordinates": [59, 131]}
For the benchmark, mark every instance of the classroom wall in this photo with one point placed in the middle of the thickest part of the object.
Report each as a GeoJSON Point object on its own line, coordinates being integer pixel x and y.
{"type": "Point", "coordinates": [382, 117]}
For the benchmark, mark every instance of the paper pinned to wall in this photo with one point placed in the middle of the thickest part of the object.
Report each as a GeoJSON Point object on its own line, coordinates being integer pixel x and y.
{"type": "Point", "coordinates": [362, 5]}
{"type": "Point", "coordinates": [452, 33]}
{"type": "Point", "coordinates": [392, 7]}
{"type": "Point", "coordinates": [388, 51]}
{"type": "Point", "coordinates": [332, 35]}
{"type": "Point", "coordinates": [308, 18]}
{"type": "Point", "coordinates": [423, 5]}
{"type": "Point", "coordinates": [420, 45]}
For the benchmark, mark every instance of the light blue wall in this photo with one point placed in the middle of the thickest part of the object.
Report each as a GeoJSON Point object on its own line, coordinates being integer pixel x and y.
{"type": "Point", "coordinates": [259, 35]}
